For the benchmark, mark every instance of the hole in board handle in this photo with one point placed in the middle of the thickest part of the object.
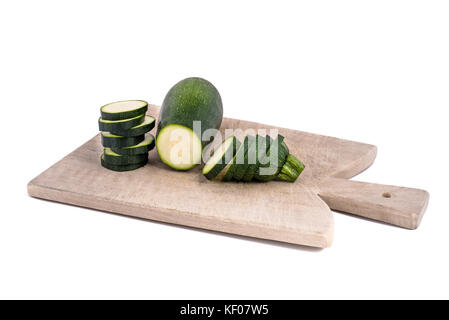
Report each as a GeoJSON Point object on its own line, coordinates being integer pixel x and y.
{"type": "Point", "coordinates": [386, 195]}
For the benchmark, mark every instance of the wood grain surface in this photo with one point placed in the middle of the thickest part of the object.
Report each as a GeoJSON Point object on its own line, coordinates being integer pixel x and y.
{"type": "Point", "coordinates": [281, 211]}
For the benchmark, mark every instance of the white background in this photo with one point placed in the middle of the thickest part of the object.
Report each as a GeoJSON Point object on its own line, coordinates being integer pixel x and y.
{"type": "Point", "coordinates": [370, 71]}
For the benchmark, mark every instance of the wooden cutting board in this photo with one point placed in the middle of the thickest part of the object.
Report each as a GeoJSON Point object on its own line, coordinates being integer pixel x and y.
{"type": "Point", "coordinates": [296, 213]}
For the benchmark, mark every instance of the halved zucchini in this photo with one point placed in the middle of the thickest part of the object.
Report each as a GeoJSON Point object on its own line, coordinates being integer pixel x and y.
{"type": "Point", "coordinates": [179, 147]}
{"type": "Point", "coordinates": [126, 167]}
{"type": "Point", "coordinates": [110, 140]}
{"type": "Point", "coordinates": [121, 110]}
{"type": "Point", "coordinates": [144, 147]}
{"type": "Point", "coordinates": [138, 130]}
{"type": "Point", "coordinates": [110, 157]}
{"type": "Point", "coordinates": [120, 125]}
{"type": "Point", "coordinates": [221, 157]}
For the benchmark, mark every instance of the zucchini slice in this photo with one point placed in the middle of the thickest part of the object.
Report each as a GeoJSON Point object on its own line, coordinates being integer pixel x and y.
{"type": "Point", "coordinates": [235, 170]}
{"type": "Point", "coordinates": [144, 147]}
{"type": "Point", "coordinates": [126, 167]}
{"type": "Point", "coordinates": [179, 147]}
{"type": "Point", "coordinates": [120, 125]}
{"type": "Point", "coordinates": [110, 140]}
{"type": "Point", "coordinates": [221, 175]}
{"type": "Point", "coordinates": [254, 157]}
{"type": "Point", "coordinates": [242, 163]}
{"type": "Point", "coordinates": [269, 168]}
{"type": "Point", "coordinates": [235, 162]}
{"type": "Point", "coordinates": [138, 130]}
{"type": "Point", "coordinates": [110, 157]}
{"type": "Point", "coordinates": [250, 159]}
{"type": "Point", "coordinates": [121, 110]}
{"type": "Point", "coordinates": [220, 158]}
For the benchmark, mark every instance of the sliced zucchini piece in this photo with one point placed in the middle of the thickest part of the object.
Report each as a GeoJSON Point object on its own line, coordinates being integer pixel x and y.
{"type": "Point", "coordinates": [179, 147]}
{"type": "Point", "coordinates": [223, 172]}
{"type": "Point", "coordinates": [250, 159]}
{"type": "Point", "coordinates": [126, 167]}
{"type": "Point", "coordinates": [241, 158]}
{"type": "Point", "coordinates": [220, 158]}
{"type": "Point", "coordinates": [236, 171]}
{"type": "Point", "coordinates": [138, 130]}
{"type": "Point", "coordinates": [234, 163]}
{"type": "Point", "coordinates": [269, 168]}
{"type": "Point", "coordinates": [121, 110]}
{"type": "Point", "coordinates": [144, 147]}
{"type": "Point", "coordinates": [285, 147]}
{"type": "Point", "coordinates": [110, 140]}
{"type": "Point", "coordinates": [110, 157]}
{"type": "Point", "coordinates": [254, 157]}
{"type": "Point", "coordinates": [120, 125]}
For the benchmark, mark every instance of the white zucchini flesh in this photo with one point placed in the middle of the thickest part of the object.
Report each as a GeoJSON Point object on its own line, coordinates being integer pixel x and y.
{"type": "Point", "coordinates": [123, 106]}
{"type": "Point", "coordinates": [123, 109]}
{"type": "Point", "coordinates": [179, 147]}
{"type": "Point", "coordinates": [222, 155]}
{"type": "Point", "coordinates": [218, 155]}
{"type": "Point", "coordinates": [110, 135]}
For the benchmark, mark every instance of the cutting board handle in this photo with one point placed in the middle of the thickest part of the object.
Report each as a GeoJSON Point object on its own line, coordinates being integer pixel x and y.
{"type": "Point", "coordinates": [400, 206]}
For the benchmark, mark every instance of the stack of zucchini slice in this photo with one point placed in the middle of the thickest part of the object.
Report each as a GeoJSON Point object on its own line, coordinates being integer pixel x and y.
{"type": "Point", "coordinates": [125, 134]}
{"type": "Point", "coordinates": [260, 158]}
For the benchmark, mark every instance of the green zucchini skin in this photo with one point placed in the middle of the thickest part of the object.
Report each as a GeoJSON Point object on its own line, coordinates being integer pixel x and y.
{"type": "Point", "coordinates": [221, 163]}
{"type": "Point", "coordinates": [113, 158]}
{"type": "Point", "coordinates": [282, 153]}
{"type": "Point", "coordinates": [230, 172]}
{"type": "Point", "coordinates": [143, 147]}
{"type": "Point", "coordinates": [241, 163]}
{"type": "Point", "coordinates": [120, 125]}
{"type": "Point", "coordinates": [284, 177]}
{"type": "Point", "coordinates": [192, 99]}
{"type": "Point", "coordinates": [121, 168]}
{"type": "Point", "coordinates": [255, 156]}
{"type": "Point", "coordinates": [126, 114]}
{"type": "Point", "coordinates": [147, 125]}
{"type": "Point", "coordinates": [291, 169]}
{"type": "Point", "coordinates": [221, 175]}
{"type": "Point", "coordinates": [249, 158]}
{"type": "Point", "coordinates": [233, 163]}
{"type": "Point", "coordinates": [113, 141]}
{"type": "Point", "coordinates": [295, 163]}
